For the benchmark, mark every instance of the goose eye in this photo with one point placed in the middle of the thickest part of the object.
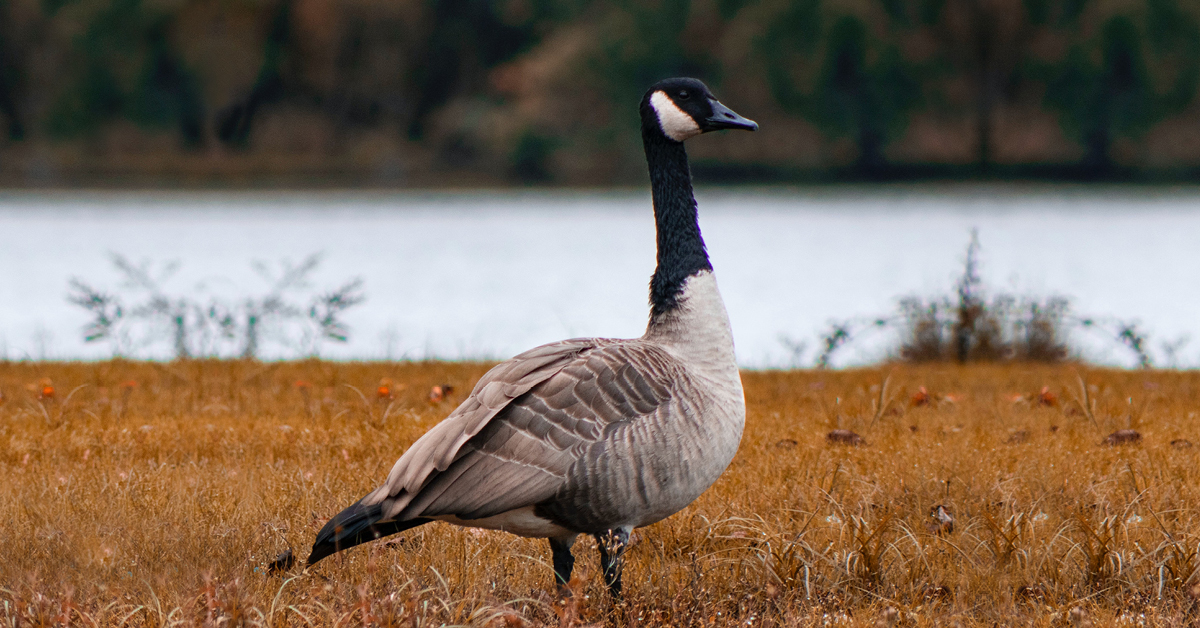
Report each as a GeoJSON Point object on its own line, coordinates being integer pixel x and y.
{"type": "Point", "coordinates": [684, 94]}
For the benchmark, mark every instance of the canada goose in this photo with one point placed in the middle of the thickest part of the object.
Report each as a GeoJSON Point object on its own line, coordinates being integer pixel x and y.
{"type": "Point", "coordinates": [590, 436]}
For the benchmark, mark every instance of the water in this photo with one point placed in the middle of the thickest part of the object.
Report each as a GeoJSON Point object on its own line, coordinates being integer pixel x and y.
{"type": "Point", "coordinates": [486, 275]}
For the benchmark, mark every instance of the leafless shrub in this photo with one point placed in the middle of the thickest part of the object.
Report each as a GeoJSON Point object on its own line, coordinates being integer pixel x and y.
{"type": "Point", "coordinates": [968, 325]}
{"type": "Point", "coordinates": [214, 327]}
{"type": "Point", "coordinates": [1171, 350]}
{"type": "Point", "coordinates": [1135, 339]}
{"type": "Point", "coordinates": [841, 333]}
{"type": "Point", "coordinates": [795, 349]}
{"type": "Point", "coordinates": [838, 335]}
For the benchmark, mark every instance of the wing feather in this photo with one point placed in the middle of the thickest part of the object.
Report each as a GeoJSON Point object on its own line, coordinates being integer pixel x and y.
{"type": "Point", "coordinates": [513, 442]}
{"type": "Point", "coordinates": [439, 447]}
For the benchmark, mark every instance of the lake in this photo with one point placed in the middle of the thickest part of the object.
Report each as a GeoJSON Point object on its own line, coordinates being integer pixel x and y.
{"type": "Point", "coordinates": [488, 274]}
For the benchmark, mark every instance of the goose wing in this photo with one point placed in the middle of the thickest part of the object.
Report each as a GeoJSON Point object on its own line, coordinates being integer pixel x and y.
{"type": "Point", "coordinates": [512, 443]}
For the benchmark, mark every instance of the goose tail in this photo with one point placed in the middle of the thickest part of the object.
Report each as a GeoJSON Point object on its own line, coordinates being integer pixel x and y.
{"type": "Point", "coordinates": [356, 525]}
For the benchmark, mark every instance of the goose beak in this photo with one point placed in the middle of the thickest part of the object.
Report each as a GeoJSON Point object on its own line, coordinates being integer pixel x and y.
{"type": "Point", "coordinates": [724, 118]}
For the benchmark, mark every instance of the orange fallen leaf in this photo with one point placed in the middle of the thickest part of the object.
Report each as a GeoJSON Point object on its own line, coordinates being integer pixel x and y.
{"type": "Point", "coordinates": [438, 393]}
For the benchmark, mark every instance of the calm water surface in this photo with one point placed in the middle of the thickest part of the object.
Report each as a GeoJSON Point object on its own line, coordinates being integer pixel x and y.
{"type": "Point", "coordinates": [485, 275]}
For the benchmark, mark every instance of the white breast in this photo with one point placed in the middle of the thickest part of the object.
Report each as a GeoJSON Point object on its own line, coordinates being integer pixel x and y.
{"type": "Point", "coordinates": [698, 332]}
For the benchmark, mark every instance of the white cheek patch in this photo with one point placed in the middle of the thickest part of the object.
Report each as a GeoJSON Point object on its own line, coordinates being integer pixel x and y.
{"type": "Point", "coordinates": [675, 124]}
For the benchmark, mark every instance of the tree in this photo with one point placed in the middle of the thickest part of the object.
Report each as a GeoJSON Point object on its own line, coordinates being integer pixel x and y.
{"type": "Point", "coordinates": [984, 42]}
{"type": "Point", "coordinates": [1142, 67]}
{"type": "Point", "coordinates": [123, 66]}
{"type": "Point", "coordinates": [10, 76]}
{"type": "Point", "coordinates": [862, 87]}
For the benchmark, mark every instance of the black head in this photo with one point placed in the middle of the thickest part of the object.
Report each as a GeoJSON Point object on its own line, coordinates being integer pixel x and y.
{"type": "Point", "coordinates": [680, 108]}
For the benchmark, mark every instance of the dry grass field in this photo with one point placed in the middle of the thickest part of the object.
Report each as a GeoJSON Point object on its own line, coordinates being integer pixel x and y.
{"type": "Point", "coordinates": [155, 494]}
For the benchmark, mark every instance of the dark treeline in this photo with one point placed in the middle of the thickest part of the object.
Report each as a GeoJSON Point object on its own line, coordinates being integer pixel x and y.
{"type": "Point", "coordinates": [428, 92]}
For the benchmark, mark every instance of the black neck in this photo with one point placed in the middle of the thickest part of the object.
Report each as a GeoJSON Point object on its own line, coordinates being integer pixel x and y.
{"type": "Point", "coordinates": [681, 251]}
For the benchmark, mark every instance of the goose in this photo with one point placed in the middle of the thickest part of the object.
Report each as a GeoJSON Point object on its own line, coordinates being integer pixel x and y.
{"type": "Point", "coordinates": [590, 436]}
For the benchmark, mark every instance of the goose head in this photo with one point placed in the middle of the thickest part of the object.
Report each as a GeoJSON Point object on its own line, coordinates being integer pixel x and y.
{"type": "Point", "coordinates": [680, 108]}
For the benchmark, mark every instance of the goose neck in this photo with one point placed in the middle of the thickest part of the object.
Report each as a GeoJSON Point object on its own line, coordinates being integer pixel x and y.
{"type": "Point", "coordinates": [681, 251]}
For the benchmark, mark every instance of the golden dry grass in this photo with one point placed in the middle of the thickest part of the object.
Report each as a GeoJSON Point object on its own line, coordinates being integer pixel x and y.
{"type": "Point", "coordinates": [154, 494]}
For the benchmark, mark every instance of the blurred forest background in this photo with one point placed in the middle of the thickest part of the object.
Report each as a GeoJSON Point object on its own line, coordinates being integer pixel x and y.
{"type": "Point", "coordinates": [494, 92]}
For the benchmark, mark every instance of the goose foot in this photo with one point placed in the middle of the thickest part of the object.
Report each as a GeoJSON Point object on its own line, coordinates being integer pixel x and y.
{"type": "Point", "coordinates": [564, 562]}
{"type": "Point", "coordinates": [612, 546]}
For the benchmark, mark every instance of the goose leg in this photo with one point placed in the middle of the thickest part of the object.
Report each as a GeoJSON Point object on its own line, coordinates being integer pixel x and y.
{"type": "Point", "coordinates": [612, 546]}
{"type": "Point", "coordinates": [564, 562]}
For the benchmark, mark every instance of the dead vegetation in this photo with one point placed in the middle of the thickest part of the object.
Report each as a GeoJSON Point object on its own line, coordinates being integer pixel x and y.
{"type": "Point", "coordinates": [976, 323]}
{"type": "Point", "coordinates": [157, 494]}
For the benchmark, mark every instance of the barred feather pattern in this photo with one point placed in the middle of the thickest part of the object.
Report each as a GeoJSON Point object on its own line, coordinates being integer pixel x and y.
{"type": "Point", "coordinates": [593, 433]}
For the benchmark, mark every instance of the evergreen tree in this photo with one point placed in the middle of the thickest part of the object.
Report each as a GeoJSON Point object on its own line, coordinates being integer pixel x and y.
{"type": "Point", "coordinates": [1142, 67]}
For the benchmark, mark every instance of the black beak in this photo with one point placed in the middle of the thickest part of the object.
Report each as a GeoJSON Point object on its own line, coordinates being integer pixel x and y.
{"type": "Point", "coordinates": [724, 118]}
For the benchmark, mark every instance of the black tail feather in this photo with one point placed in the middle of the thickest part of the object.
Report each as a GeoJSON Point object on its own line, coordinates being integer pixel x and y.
{"type": "Point", "coordinates": [356, 525]}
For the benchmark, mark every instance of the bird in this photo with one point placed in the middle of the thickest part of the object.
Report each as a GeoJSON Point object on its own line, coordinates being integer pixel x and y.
{"type": "Point", "coordinates": [590, 436]}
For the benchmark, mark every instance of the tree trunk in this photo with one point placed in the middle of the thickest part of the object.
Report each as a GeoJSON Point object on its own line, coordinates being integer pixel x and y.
{"type": "Point", "coordinates": [985, 76]}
